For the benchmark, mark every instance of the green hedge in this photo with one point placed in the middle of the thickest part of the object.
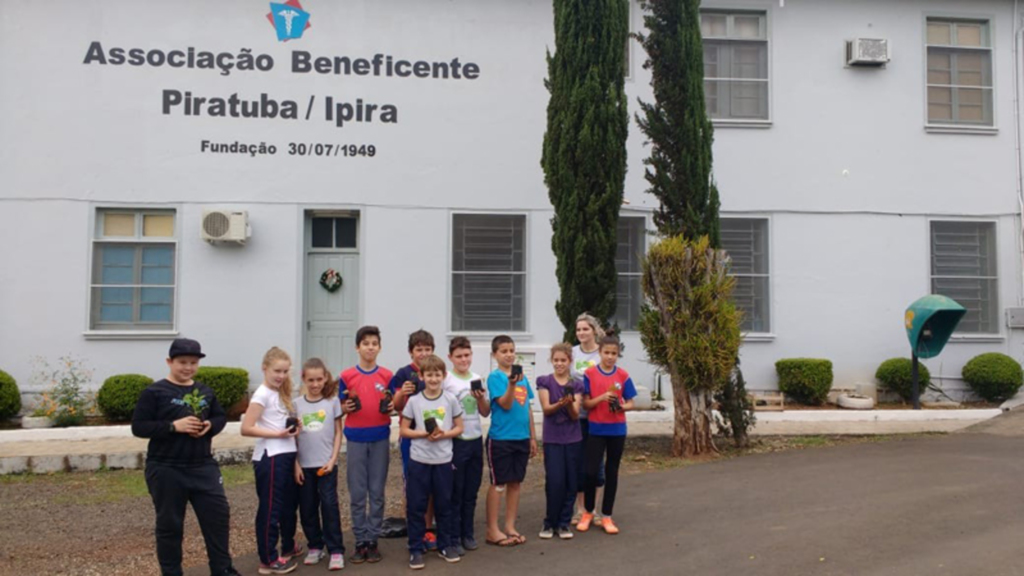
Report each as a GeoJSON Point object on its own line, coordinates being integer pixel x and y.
{"type": "Point", "coordinates": [229, 384]}
{"type": "Point", "coordinates": [806, 380]}
{"type": "Point", "coordinates": [895, 375]}
{"type": "Point", "coordinates": [119, 395]}
{"type": "Point", "coordinates": [993, 376]}
{"type": "Point", "coordinates": [10, 396]}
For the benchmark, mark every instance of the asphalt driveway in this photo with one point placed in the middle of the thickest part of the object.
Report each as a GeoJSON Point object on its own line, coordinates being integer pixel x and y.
{"type": "Point", "coordinates": [949, 505]}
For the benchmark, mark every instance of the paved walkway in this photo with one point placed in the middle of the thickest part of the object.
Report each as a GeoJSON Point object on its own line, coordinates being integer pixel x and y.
{"type": "Point", "coordinates": [946, 505]}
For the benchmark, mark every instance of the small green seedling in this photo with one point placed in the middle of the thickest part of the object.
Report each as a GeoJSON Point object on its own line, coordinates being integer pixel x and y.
{"type": "Point", "coordinates": [195, 401]}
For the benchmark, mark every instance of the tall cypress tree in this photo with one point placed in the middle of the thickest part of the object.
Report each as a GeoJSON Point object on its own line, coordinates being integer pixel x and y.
{"type": "Point", "coordinates": [584, 156]}
{"type": "Point", "coordinates": [676, 123]}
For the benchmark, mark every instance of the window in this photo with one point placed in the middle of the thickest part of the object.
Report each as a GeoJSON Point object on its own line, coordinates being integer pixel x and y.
{"type": "Point", "coordinates": [334, 232]}
{"type": "Point", "coordinates": [629, 254]}
{"type": "Point", "coordinates": [964, 269]}
{"type": "Point", "coordinates": [746, 241]}
{"type": "Point", "coordinates": [735, 65]}
{"type": "Point", "coordinates": [133, 270]}
{"type": "Point", "coordinates": [959, 72]}
{"type": "Point", "coordinates": [489, 272]}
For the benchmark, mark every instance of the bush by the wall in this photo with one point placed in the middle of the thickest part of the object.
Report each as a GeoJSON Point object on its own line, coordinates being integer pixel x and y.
{"type": "Point", "coordinates": [806, 380]}
{"type": "Point", "coordinates": [993, 376]}
{"type": "Point", "coordinates": [119, 394]}
{"type": "Point", "coordinates": [10, 396]}
{"type": "Point", "coordinates": [228, 384]}
{"type": "Point", "coordinates": [896, 375]}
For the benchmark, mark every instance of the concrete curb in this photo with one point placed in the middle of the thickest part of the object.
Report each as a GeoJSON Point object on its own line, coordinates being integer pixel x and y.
{"type": "Point", "coordinates": [44, 451]}
{"type": "Point", "coordinates": [654, 416]}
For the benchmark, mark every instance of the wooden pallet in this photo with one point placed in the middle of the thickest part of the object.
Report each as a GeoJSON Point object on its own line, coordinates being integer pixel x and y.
{"type": "Point", "coordinates": [767, 401]}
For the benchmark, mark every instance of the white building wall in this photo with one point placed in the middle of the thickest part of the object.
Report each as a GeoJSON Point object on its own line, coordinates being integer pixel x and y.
{"type": "Point", "coordinates": [846, 174]}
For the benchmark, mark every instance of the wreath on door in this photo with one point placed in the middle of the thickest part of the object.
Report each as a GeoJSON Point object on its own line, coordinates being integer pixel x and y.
{"type": "Point", "coordinates": [330, 280]}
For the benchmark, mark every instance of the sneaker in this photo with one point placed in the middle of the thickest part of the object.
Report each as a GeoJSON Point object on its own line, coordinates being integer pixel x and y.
{"type": "Point", "coordinates": [469, 543]}
{"type": "Point", "coordinates": [416, 560]}
{"type": "Point", "coordinates": [584, 524]}
{"type": "Point", "coordinates": [565, 533]}
{"type": "Point", "coordinates": [430, 541]}
{"type": "Point", "coordinates": [459, 549]}
{"type": "Point", "coordinates": [295, 553]}
{"type": "Point", "coordinates": [547, 533]}
{"type": "Point", "coordinates": [359, 556]}
{"type": "Point", "coordinates": [609, 526]}
{"type": "Point", "coordinates": [373, 554]}
{"type": "Point", "coordinates": [449, 554]}
{"type": "Point", "coordinates": [314, 556]}
{"type": "Point", "coordinates": [230, 571]}
{"type": "Point", "coordinates": [337, 562]}
{"type": "Point", "coordinates": [279, 566]}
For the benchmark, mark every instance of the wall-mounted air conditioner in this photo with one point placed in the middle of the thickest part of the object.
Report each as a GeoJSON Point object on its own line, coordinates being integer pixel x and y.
{"type": "Point", "coordinates": [226, 226]}
{"type": "Point", "coordinates": [867, 52]}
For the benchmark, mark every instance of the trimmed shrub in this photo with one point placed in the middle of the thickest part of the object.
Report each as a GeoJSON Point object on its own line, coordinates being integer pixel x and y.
{"type": "Point", "coordinates": [896, 375]}
{"type": "Point", "coordinates": [119, 395]}
{"type": "Point", "coordinates": [993, 376]}
{"type": "Point", "coordinates": [229, 385]}
{"type": "Point", "coordinates": [806, 380]}
{"type": "Point", "coordinates": [10, 396]}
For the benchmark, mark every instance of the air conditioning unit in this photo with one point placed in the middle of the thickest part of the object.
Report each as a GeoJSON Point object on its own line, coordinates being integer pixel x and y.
{"type": "Point", "coordinates": [867, 52]}
{"type": "Point", "coordinates": [226, 226]}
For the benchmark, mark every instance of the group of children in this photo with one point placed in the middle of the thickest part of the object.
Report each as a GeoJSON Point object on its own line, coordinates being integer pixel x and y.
{"type": "Point", "coordinates": [441, 440]}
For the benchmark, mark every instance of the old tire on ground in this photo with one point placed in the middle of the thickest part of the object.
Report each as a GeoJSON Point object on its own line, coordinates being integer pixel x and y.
{"type": "Point", "coordinates": [854, 402]}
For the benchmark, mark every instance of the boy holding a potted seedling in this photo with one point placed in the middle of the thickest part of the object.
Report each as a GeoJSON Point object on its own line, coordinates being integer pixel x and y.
{"type": "Point", "coordinates": [430, 419]}
{"type": "Point", "coordinates": [180, 417]}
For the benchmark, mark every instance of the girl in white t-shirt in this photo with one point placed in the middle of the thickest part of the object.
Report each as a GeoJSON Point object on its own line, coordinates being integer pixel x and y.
{"type": "Point", "coordinates": [585, 355]}
{"type": "Point", "coordinates": [268, 420]}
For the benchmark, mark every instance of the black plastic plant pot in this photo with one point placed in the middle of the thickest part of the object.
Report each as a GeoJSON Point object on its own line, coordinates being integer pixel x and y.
{"type": "Point", "coordinates": [431, 425]}
{"type": "Point", "coordinates": [476, 385]}
{"type": "Point", "coordinates": [291, 423]}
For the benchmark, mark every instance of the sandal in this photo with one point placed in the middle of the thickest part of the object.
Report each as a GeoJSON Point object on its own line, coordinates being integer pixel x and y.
{"type": "Point", "coordinates": [506, 542]}
{"type": "Point", "coordinates": [519, 538]}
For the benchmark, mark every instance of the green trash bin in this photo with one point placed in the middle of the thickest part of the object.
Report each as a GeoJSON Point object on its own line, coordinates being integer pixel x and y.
{"type": "Point", "coordinates": [930, 322]}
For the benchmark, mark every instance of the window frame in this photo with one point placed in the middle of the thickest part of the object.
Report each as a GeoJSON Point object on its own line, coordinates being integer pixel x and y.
{"type": "Point", "coordinates": [731, 10]}
{"type": "Point", "coordinates": [96, 237]}
{"type": "Point", "coordinates": [997, 334]}
{"type": "Point", "coordinates": [646, 245]}
{"type": "Point", "coordinates": [450, 276]}
{"type": "Point", "coordinates": [770, 334]}
{"type": "Point", "coordinates": [951, 127]}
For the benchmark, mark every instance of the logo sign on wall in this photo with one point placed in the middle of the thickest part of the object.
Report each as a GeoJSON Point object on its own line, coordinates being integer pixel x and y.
{"type": "Point", "coordinates": [288, 19]}
{"type": "Point", "coordinates": [342, 106]}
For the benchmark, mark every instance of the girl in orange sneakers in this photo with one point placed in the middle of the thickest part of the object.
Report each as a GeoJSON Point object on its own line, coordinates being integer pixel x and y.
{"type": "Point", "coordinates": [608, 393]}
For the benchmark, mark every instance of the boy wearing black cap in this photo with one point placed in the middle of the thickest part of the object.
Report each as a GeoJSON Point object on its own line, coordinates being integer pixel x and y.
{"type": "Point", "coordinates": [180, 417]}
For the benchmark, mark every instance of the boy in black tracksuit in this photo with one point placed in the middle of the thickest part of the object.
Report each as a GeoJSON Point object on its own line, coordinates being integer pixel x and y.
{"type": "Point", "coordinates": [179, 462]}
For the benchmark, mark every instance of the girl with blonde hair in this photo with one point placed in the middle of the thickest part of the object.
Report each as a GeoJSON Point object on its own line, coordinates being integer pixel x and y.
{"type": "Point", "coordinates": [270, 419]}
{"type": "Point", "coordinates": [584, 356]}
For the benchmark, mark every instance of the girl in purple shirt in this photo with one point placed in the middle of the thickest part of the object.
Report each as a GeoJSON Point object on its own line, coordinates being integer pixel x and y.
{"type": "Point", "coordinates": [560, 398]}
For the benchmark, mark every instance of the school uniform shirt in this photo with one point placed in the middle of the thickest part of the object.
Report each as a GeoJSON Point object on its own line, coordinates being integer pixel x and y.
{"type": "Point", "coordinates": [559, 428]}
{"type": "Point", "coordinates": [604, 422]}
{"type": "Point", "coordinates": [368, 424]}
{"type": "Point", "coordinates": [581, 362]}
{"type": "Point", "coordinates": [444, 410]}
{"type": "Point", "coordinates": [472, 426]}
{"type": "Point", "coordinates": [274, 417]}
{"type": "Point", "coordinates": [316, 441]}
{"type": "Point", "coordinates": [514, 423]}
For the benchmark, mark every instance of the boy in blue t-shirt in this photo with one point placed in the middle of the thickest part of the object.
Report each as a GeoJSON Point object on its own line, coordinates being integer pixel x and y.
{"type": "Point", "coordinates": [511, 441]}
